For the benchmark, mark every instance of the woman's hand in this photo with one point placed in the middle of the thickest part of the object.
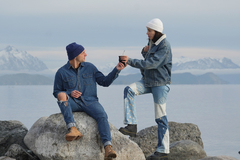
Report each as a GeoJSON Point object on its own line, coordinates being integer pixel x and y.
{"type": "Point", "coordinates": [146, 48]}
{"type": "Point", "coordinates": [124, 59]}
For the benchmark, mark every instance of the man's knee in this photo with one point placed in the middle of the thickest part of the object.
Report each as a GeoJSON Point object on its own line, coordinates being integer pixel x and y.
{"type": "Point", "coordinates": [62, 96]}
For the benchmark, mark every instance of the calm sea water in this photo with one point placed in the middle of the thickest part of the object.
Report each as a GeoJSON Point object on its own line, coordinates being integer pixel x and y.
{"type": "Point", "coordinates": [214, 108]}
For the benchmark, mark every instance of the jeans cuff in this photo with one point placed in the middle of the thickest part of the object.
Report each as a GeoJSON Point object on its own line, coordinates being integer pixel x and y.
{"type": "Point", "coordinates": [107, 143]}
{"type": "Point", "coordinates": [69, 125]}
{"type": "Point", "coordinates": [161, 150]}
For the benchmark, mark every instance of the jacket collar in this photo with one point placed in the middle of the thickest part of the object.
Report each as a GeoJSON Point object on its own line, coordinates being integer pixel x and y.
{"type": "Point", "coordinates": [160, 39]}
{"type": "Point", "coordinates": [69, 65]}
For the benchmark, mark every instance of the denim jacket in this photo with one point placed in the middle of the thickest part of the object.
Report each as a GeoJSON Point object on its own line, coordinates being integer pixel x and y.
{"type": "Point", "coordinates": [157, 64]}
{"type": "Point", "coordinates": [82, 79]}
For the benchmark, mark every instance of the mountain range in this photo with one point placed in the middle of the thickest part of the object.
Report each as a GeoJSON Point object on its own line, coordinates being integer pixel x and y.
{"type": "Point", "coordinates": [12, 59]}
{"type": "Point", "coordinates": [184, 63]}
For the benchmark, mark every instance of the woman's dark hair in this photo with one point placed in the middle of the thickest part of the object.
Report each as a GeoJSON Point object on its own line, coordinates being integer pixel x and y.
{"type": "Point", "coordinates": [157, 36]}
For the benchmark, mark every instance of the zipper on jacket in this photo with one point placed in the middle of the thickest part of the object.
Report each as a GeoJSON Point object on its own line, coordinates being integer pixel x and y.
{"type": "Point", "coordinates": [150, 47]}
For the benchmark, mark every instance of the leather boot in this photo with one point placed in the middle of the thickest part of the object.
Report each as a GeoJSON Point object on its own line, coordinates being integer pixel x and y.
{"type": "Point", "coordinates": [73, 134]}
{"type": "Point", "coordinates": [130, 129]}
{"type": "Point", "coordinates": [109, 153]}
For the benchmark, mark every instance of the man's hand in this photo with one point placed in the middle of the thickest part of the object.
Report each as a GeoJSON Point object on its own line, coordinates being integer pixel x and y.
{"type": "Point", "coordinates": [75, 94]}
{"type": "Point", "coordinates": [120, 66]}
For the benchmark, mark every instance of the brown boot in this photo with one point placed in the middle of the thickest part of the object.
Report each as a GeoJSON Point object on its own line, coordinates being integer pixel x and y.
{"type": "Point", "coordinates": [109, 153]}
{"type": "Point", "coordinates": [73, 134]}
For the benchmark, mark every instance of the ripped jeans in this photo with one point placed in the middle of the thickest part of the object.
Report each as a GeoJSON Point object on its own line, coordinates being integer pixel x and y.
{"type": "Point", "coordinates": [160, 97]}
{"type": "Point", "coordinates": [95, 110]}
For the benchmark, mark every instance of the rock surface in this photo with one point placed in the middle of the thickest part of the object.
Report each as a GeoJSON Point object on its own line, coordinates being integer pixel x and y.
{"type": "Point", "coordinates": [46, 139]}
{"type": "Point", "coordinates": [186, 150]}
{"type": "Point", "coordinates": [219, 158]}
{"type": "Point", "coordinates": [11, 132]}
{"type": "Point", "coordinates": [147, 138]}
{"type": "Point", "coordinates": [6, 158]}
{"type": "Point", "coordinates": [16, 151]}
{"type": "Point", "coordinates": [185, 131]}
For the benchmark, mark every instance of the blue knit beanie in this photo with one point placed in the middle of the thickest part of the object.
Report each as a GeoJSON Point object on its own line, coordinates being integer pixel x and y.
{"type": "Point", "coordinates": [73, 50]}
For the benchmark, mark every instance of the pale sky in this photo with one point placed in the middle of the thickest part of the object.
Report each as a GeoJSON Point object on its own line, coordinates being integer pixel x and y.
{"type": "Point", "coordinates": [195, 29]}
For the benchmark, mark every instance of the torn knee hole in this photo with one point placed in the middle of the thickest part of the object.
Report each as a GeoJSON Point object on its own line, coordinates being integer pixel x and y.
{"type": "Point", "coordinates": [65, 102]}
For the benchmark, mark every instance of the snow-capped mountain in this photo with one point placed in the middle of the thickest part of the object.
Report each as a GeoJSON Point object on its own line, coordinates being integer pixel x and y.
{"type": "Point", "coordinates": [184, 63]}
{"type": "Point", "coordinates": [12, 59]}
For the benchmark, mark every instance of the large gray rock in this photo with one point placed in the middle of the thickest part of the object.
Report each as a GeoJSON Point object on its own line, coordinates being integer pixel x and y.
{"type": "Point", "coordinates": [147, 138]}
{"type": "Point", "coordinates": [46, 139]}
{"type": "Point", "coordinates": [11, 132]}
{"type": "Point", "coordinates": [219, 158]}
{"type": "Point", "coordinates": [186, 150]}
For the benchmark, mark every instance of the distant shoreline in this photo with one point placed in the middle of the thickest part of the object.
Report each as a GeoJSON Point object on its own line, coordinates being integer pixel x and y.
{"type": "Point", "coordinates": [177, 79]}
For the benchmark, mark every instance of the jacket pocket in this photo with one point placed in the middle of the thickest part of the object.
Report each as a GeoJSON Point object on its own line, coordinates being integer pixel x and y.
{"type": "Point", "coordinates": [69, 82]}
{"type": "Point", "coordinates": [87, 78]}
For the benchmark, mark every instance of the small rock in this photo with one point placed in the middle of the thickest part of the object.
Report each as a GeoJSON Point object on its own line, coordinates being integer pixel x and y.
{"type": "Point", "coordinates": [16, 151]}
{"type": "Point", "coordinates": [219, 158]}
{"type": "Point", "coordinates": [186, 150]}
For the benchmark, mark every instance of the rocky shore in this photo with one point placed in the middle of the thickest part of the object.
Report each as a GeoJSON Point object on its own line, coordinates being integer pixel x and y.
{"type": "Point", "coordinates": [45, 141]}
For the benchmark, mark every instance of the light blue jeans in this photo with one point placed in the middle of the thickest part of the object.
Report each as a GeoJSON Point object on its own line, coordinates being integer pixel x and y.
{"type": "Point", "coordinates": [159, 96]}
{"type": "Point", "coordinates": [95, 110]}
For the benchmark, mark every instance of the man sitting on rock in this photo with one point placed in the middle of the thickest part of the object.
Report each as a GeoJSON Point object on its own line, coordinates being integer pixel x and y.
{"type": "Point", "coordinates": [76, 90]}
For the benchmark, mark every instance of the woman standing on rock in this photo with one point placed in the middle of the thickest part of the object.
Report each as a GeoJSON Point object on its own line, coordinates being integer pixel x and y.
{"type": "Point", "coordinates": [156, 71]}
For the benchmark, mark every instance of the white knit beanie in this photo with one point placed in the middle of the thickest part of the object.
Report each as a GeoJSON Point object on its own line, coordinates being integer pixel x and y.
{"type": "Point", "coordinates": [155, 24]}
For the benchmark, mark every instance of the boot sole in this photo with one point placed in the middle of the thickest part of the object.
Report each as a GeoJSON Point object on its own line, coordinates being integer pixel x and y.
{"type": "Point", "coordinates": [125, 132]}
{"type": "Point", "coordinates": [110, 156]}
{"type": "Point", "coordinates": [72, 138]}
{"type": "Point", "coordinates": [79, 136]}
